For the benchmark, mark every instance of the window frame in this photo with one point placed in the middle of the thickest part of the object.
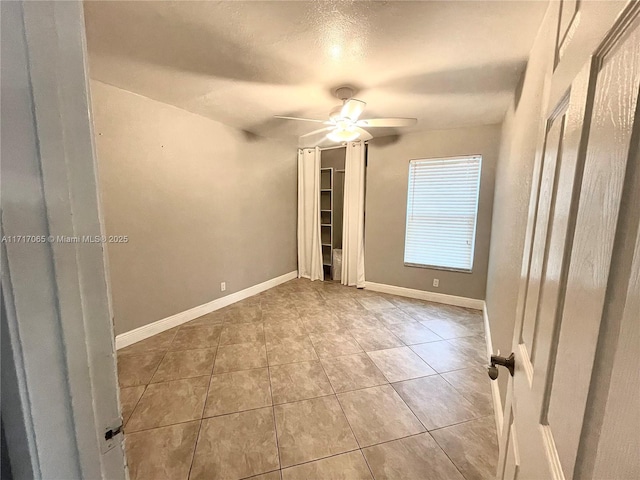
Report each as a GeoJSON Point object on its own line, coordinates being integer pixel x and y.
{"type": "Point", "coordinates": [475, 223]}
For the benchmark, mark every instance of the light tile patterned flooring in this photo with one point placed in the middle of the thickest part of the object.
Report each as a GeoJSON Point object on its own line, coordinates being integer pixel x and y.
{"type": "Point", "coordinates": [312, 380]}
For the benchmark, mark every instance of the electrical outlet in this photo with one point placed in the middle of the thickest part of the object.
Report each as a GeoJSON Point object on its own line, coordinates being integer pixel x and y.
{"type": "Point", "coordinates": [436, 282]}
{"type": "Point", "coordinates": [223, 286]}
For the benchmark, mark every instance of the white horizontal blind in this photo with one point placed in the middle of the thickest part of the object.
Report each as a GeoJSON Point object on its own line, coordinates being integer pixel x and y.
{"type": "Point", "coordinates": [442, 207]}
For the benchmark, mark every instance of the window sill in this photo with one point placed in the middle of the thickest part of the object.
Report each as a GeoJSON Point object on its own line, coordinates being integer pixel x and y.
{"type": "Point", "coordinates": [433, 267]}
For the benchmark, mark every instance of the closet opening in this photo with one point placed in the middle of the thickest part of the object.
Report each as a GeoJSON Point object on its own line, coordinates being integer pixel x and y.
{"type": "Point", "coordinates": [332, 168]}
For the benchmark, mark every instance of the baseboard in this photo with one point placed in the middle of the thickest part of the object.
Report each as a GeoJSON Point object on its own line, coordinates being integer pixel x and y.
{"type": "Point", "coordinates": [146, 331]}
{"type": "Point", "coordinates": [495, 391]}
{"type": "Point", "coordinates": [424, 295]}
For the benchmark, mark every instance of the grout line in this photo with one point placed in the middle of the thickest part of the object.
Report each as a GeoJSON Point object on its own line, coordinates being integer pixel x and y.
{"type": "Point", "coordinates": [161, 360]}
{"type": "Point", "coordinates": [147, 384]}
{"type": "Point", "coordinates": [204, 404]}
{"type": "Point", "coordinates": [322, 458]}
{"type": "Point", "coordinates": [465, 394]}
{"type": "Point", "coordinates": [178, 379]}
{"type": "Point", "coordinates": [367, 463]}
{"type": "Point", "coordinates": [164, 426]}
{"type": "Point", "coordinates": [252, 409]}
{"type": "Point", "coordinates": [395, 439]}
{"type": "Point", "coordinates": [455, 390]}
{"type": "Point", "coordinates": [236, 371]}
{"type": "Point", "coordinates": [124, 423]}
{"type": "Point", "coordinates": [275, 424]}
{"type": "Point", "coordinates": [304, 399]}
{"type": "Point", "coordinates": [460, 423]}
{"type": "Point", "coordinates": [447, 455]}
{"type": "Point", "coordinates": [409, 407]}
{"type": "Point", "coordinates": [261, 474]}
{"type": "Point", "coordinates": [214, 416]}
{"type": "Point", "coordinates": [470, 367]}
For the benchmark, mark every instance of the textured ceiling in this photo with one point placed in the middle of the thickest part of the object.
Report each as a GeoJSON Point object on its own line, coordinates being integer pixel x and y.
{"type": "Point", "coordinates": [447, 63]}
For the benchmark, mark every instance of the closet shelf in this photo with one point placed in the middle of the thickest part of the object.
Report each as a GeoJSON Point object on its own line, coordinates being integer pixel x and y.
{"type": "Point", "coordinates": [326, 210]}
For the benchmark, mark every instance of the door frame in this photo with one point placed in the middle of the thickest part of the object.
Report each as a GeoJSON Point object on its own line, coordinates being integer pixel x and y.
{"type": "Point", "coordinates": [63, 392]}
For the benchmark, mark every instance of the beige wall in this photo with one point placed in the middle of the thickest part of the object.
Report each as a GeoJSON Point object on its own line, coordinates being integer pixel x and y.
{"type": "Point", "coordinates": [540, 90]}
{"type": "Point", "coordinates": [201, 203]}
{"type": "Point", "coordinates": [386, 207]}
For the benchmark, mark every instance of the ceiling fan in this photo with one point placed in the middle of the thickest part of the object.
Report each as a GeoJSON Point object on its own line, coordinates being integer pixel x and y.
{"type": "Point", "coordinates": [344, 121]}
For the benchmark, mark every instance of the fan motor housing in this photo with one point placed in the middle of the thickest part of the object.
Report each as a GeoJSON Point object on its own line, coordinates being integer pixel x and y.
{"type": "Point", "coordinates": [344, 93]}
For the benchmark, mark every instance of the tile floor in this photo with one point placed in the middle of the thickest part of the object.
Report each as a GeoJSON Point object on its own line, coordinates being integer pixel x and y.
{"type": "Point", "coordinates": [312, 380]}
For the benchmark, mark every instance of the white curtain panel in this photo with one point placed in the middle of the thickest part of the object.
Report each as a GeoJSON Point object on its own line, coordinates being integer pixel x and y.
{"type": "Point", "coordinates": [309, 243]}
{"type": "Point", "coordinates": [353, 220]}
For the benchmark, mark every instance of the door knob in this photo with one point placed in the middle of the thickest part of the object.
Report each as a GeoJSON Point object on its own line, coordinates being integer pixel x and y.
{"type": "Point", "coordinates": [508, 362]}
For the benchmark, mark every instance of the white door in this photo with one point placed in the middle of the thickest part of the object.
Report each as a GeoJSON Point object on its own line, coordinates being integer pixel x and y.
{"type": "Point", "coordinates": [577, 208]}
{"type": "Point", "coordinates": [57, 333]}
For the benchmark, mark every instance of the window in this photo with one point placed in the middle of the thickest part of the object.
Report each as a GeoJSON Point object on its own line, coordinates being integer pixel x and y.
{"type": "Point", "coordinates": [442, 207]}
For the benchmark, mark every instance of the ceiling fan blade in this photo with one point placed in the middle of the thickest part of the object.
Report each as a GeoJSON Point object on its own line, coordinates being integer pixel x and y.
{"type": "Point", "coordinates": [352, 109]}
{"type": "Point", "coordinates": [303, 119]}
{"type": "Point", "coordinates": [387, 122]}
{"type": "Point", "coordinates": [364, 135]}
{"type": "Point", "coordinates": [315, 132]}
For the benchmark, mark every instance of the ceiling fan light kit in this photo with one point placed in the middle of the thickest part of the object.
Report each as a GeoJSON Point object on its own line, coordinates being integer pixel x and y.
{"type": "Point", "coordinates": [344, 123]}
{"type": "Point", "coordinates": [339, 135]}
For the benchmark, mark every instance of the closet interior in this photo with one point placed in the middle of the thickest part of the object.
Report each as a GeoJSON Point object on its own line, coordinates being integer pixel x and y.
{"type": "Point", "coordinates": [332, 163]}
